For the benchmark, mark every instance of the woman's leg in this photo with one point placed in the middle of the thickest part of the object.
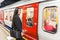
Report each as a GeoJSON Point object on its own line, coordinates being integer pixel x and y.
{"type": "Point", "coordinates": [17, 39]}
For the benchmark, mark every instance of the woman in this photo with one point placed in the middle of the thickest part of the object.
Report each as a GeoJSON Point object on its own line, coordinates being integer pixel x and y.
{"type": "Point", "coordinates": [17, 24]}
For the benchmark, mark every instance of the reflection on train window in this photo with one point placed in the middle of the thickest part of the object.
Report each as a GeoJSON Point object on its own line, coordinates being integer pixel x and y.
{"type": "Point", "coordinates": [29, 16]}
{"type": "Point", "coordinates": [50, 19]}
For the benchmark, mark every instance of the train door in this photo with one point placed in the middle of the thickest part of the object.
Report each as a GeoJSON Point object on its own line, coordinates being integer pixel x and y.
{"type": "Point", "coordinates": [11, 13]}
{"type": "Point", "coordinates": [29, 21]}
{"type": "Point", "coordinates": [8, 15]}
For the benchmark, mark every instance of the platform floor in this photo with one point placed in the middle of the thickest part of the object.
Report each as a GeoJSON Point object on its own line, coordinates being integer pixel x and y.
{"type": "Point", "coordinates": [4, 33]}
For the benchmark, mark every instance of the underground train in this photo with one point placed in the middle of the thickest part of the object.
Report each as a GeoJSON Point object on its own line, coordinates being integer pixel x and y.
{"type": "Point", "coordinates": [40, 21]}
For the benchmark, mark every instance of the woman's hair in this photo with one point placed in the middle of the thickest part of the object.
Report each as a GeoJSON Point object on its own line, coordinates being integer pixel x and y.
{"type": "Point", "coordinates": [15, 12]}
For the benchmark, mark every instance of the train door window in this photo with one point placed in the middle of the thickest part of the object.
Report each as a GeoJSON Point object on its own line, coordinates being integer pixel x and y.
{"type": "Point", "coordinates": [29, 16]}
{"type": "Point", "coordinates": [50, 19]}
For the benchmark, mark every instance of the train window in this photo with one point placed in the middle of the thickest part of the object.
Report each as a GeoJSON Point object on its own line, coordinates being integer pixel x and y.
{"type": "Point", "coordinates": [11, 12]}
{"type": "Point", "coordinates": [29, 16]}
{"type": "Point", "coordinates": [6, 14]}
{"type": "Point", "coordinates": [50, 19]}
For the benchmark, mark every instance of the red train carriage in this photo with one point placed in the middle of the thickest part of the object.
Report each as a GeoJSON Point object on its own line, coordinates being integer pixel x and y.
{"type": "Point", "coordinates": [29, 20]}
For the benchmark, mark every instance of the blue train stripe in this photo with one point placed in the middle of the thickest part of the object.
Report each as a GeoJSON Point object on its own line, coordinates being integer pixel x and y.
{"type": "Point", "coordinates": [8, 27]}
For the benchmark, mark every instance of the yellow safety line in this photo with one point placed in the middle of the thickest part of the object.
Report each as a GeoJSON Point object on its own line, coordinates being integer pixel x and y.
{"type": "Point", "coordinates": [25, 38]}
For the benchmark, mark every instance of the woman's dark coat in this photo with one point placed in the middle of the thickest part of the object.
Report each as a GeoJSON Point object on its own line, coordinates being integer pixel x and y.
{"type": "Point", "coordinates": [17, 25]}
